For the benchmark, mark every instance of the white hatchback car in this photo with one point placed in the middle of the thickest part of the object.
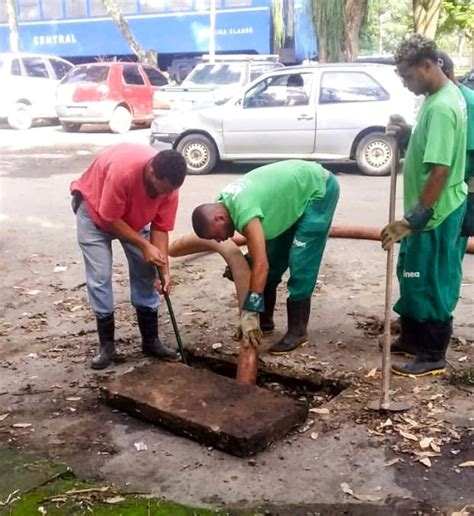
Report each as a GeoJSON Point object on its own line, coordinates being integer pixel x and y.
{"type": "Point", "coordinates": [29, 83]}
{"type": "Point", "coordinates": [320, 112]}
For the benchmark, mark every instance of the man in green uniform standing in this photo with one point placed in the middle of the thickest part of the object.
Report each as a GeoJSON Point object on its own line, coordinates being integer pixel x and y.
{"type": "Point", "coordinates": [447, 65]}
{"type": "Point", "coordinates": [432, 248]}
{"type": "Point", "coordinates": [285, 211]}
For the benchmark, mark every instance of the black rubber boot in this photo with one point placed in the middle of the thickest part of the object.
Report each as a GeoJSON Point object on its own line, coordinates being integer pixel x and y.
{"type": "Point", "coordinates": [106, 331]}
{"type": "Point", "coordinates": [266, 319]}
{"type": "Point", "coordinates": [298, 317]}
{"type": "Point", "coordinates": [433, 339]}
{"type": "Point", "coordinates": [406, 342]}
{"type": "Point", "coordinates": [151, 344]}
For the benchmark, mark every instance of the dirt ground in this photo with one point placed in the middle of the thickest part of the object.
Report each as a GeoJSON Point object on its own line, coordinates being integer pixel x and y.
{"type": "Point", "coordinates": [344, 458]}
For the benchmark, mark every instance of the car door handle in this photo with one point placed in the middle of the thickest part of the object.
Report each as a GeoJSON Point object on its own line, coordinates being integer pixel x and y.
{"type": "Point", "coordinates": [305, 117]}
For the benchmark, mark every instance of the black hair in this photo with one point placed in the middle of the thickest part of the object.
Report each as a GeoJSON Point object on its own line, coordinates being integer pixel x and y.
{"type": "Point", "coordinates": [201, 219]}
{"type": "Point", "coordinates": [415, 49]}
{"type": "Point", "coordinates": [445, 62]}
{"type": "Point", "coordinates": [295, 80]}
{"type": "Point", "coordinates": [170, 165]}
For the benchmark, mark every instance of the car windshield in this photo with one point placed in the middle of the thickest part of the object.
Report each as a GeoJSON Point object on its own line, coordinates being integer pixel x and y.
{"type": "Point", "coordinates": [87, 73]}
{"type": "Point", "coordinates": [214, 75]}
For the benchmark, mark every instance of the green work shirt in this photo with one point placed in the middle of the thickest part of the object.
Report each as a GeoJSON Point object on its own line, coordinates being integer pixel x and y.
{"type": "Point", "coordinates": [468, 95]}
{"type": "Point", "coordinates": [277, 194]}
{"type": "Point", "coordinates": [438, 138]}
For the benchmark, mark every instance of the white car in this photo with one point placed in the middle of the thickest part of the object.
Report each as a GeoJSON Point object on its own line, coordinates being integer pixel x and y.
{"type": "Point", "coordinates": [320, 112]}
{"type": "Point", "coordinates": [29, 83]}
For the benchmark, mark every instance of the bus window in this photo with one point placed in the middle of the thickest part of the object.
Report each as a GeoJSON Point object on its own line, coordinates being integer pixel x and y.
{"type": "Point", "coordinates": [180, 5]}
{"type": "Point", "coordinates": [3, 12]}
{"type": "Point", "coordinates": [127, 6]}
{"type": "Point", "coordinates": [75, 8]}
{"type": "Point", "coordinates": [97, 8]}
{"type": "Point", "coordinates": [238, 3]}
{"type": "Point", "coordinates": [205, 5]}
{"type": "Point", "coordinates": [35, 67]}
{"type": "Point", "coordinates": [29, 9]}
{"type": "Point", "coordinates": [152, 6]}
{"type": "Point", "coordinates": [52, 9]}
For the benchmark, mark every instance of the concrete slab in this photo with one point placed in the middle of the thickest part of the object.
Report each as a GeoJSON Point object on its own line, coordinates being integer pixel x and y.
{"type": "Point", "coordinates": [217, 411]}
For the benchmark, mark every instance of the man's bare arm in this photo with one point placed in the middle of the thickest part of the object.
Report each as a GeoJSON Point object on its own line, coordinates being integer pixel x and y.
{"type": "Point", "coordinates": [434, 185]}
{"type": "Point", "coordinates": [257, 249]}
{"type": "Point", "coordinates": [151, 253]}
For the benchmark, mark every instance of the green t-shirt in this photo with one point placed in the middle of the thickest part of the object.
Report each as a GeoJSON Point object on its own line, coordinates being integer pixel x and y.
{"type": "Point", "coordinates": [439, 138]}
{"type": "Point", "coordinates": [468, 95]}
{"type": "Point", "coordinates": [277, 194]}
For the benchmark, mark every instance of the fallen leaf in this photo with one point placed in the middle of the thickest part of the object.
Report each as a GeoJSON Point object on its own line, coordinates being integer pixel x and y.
{"type": "Point", "coordinates": [462, 512]}
{"type": "Point", "coordinates": [462, 359]}
{"type": "Point", "coordinates": [435, 447]}
{"type": "Point", "coordinates": [321, 411]}
{"type": "Point", "coordinates": [314, 435]}
{"type": "Point", "coordinates": [371, 373]}
{"type": "Point", "coordinates": [21, 425]}
{"type": "Point", "coordinates": [361, 497]}
{"type": "Point", "coordinates": [386, 423]}
{"type": "Point", "coordinates": [4, 416]}
{"type": "Point", "coordinates": [425, 442]}
{"type": "Point", "coordinates": [468, 464]}
{"type": "Point", "coordinates": [115, 499]}
{"type": "Point", "coordinates": [74, 398]}
{"type": "Point", "coordinates": [393, 461]}
{"type": "Point", "coordinates": [426, 462]}
{"type": "Point", "coordinates": [407, 435]}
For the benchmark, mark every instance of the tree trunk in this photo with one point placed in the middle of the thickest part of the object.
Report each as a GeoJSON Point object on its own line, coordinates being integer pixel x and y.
{"type": "Point", "coordinates": [13, 26]}
{"type": "Point", "coordinates": [146, 57]}
{"type": "Point", "coordinates": [354, 13]}
{"type": "Point", "coordinates": [426, 16]}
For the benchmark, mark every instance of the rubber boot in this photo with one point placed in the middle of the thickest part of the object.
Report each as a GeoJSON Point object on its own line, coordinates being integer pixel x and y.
{"type": "Point", "coordinates": [266, 319]}
{"type": "Point", "coordinates": [296, 336]}
{"type": "Point", "coordinates": [406, 342]}
{"type": "Point", "coordinates": [433, 339]}
{"type": "Point", "coordinates": [151, 344]}
{"type": "Point", "coordinates": [106, 331]}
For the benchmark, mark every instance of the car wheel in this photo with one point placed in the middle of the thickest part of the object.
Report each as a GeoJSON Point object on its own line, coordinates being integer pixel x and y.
{"type": "Point", "coordinates": [199, 152]}
{"type": "Point", "coordinates": [374, 154]}
{"type": "Point", "coordinates": [121, 120]}
{"type": "Point", "coordinates": [70, 127]}
{"type": "Point", "coordinates": [20, 117]}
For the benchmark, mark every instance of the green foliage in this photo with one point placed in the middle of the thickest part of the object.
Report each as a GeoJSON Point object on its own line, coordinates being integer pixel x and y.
{"type": "Point", "coordinates": [328, 17]}
{"type": "Point", "coordinates": [278, 21]}
{"type": "Point", "coordinates": [457, 16]}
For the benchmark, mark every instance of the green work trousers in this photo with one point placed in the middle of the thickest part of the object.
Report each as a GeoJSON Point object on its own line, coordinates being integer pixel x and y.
{"type": "Point", "coordinates": [300, 248]}
{"type": "Point", "coordinates": [429, 270]}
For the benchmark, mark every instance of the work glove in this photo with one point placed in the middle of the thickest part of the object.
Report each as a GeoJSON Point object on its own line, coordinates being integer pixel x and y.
{"type": "Point", "coordinates": [398, 129]}
{"type": "Point", "coordinates": [250, 327]}
{"type": "Point", "coordinates": [394, 232]}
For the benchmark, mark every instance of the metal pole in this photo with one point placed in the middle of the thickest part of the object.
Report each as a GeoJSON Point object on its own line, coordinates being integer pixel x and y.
{"type": "Point", "coordinates": [212, 31]}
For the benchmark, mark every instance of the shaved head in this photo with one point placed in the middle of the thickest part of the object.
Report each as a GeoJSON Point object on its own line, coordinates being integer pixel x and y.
{"type": "Point", "coordinates": [212, 222]}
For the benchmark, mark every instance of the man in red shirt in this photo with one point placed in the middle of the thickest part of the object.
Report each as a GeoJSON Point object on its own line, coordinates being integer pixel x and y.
{"type": "Point", "coordinates": [130, 193]}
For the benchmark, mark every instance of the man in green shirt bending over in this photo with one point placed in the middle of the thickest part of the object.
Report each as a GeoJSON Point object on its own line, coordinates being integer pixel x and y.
{"type": "Point", "coordinates": [285, 211]}
{"type": "Point", "coordinates": [432, 248]}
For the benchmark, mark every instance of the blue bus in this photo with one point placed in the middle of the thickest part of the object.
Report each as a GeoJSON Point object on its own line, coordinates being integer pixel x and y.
{"type": "Point", "coordinates": [78, 29]}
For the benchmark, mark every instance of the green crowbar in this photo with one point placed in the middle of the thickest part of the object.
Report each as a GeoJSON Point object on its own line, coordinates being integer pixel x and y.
{"type": "Point", "coordinates": [172, 317]}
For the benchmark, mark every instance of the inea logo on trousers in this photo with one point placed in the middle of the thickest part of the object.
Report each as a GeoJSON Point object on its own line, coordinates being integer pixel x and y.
{"type": "Point", "coordinates": [407, 274]}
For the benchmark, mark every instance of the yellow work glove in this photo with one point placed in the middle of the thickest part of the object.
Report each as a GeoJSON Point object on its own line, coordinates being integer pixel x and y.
{"type": "Point", "coordinates": [250, 327]}
{"type": "Point", "coordinates": [394, 232]}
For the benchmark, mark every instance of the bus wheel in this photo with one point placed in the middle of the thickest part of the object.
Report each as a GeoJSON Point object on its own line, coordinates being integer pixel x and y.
{"type": "Point", "coordinates": [199, 152]}
{"type": "Point", "coordinates": [20, 116]}
{"type": "Point", "coordinates": [121, 120]}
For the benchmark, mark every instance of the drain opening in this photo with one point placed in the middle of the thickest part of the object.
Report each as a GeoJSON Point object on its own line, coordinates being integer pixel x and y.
{"type": "Point", "coordinates": [315, 389]}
